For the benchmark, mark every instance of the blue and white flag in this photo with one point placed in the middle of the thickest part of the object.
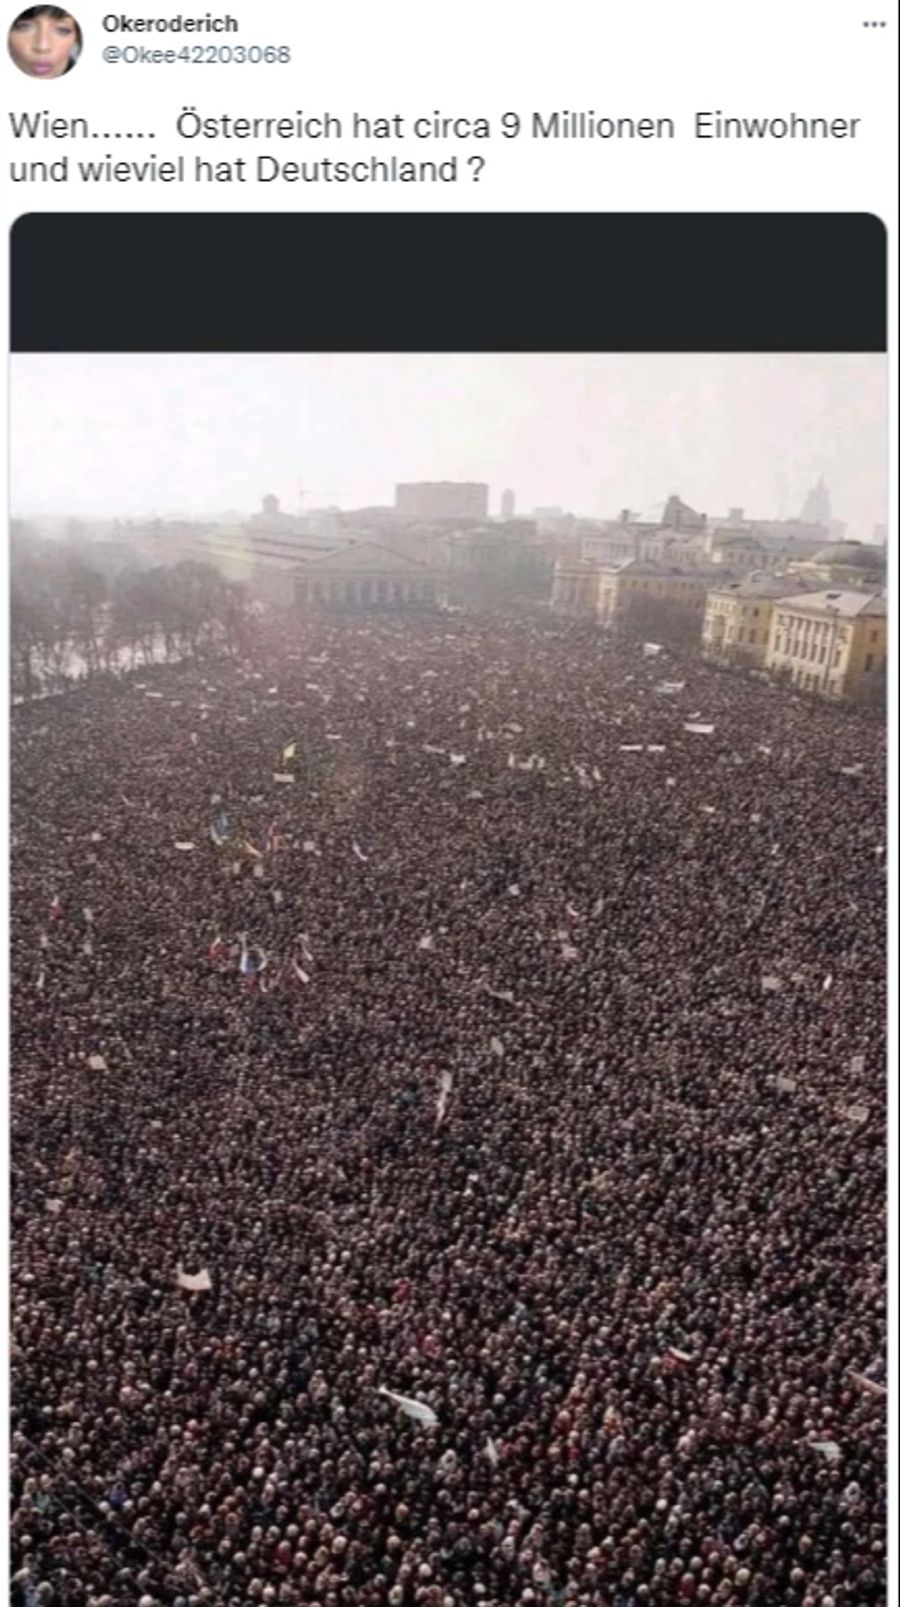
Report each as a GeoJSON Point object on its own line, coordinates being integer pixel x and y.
{"type": "Point", "coordinates": [252, 961]}
{"type": "Point", "coordinates": [220, 831]}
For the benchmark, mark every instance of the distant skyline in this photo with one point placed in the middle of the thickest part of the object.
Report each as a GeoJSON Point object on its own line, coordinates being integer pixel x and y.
{"type": "Point", "coordinates": [166, 435]}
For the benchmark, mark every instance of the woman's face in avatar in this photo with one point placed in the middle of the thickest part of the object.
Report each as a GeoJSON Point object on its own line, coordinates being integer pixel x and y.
{"type": "Point", "coordinates": [42, 46]}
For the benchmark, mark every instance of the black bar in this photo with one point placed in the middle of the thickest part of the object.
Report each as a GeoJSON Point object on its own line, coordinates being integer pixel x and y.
{"type": "Point", "coordinates": [502, 282]}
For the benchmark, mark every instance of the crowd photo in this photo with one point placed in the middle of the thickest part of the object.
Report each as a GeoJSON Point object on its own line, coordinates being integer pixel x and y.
{"type": "Point", "coordinates": [448, 1064]}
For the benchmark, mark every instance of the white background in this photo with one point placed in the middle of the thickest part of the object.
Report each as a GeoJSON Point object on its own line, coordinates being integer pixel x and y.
{"type": "Point", "coordinates": [634, 58]}
{"type": "Point", "coordinates": [638, 57]}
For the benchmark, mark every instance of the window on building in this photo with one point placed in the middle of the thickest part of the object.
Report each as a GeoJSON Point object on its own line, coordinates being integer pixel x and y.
{"type": "Point", "coordinates": [870, 660]}
{"type": "Point", "coordinates": [756, 613]}
{"type": "Point", "coordinates": [822, 646]}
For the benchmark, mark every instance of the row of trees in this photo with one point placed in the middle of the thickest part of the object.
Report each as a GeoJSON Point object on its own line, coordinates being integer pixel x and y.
{"type": "Point", "coordinates": [664, 620]}
{"type": "Point", "coordinates": [67, 619]}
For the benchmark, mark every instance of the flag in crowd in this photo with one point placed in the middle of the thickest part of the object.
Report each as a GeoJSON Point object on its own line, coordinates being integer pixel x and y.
{"type": "Point", "coordinates": [869, 1385]}
{"type": "Point", "coordinates": [417, 1410]}
{"type": "Point", "coordinates": [252, 960]}
{"type": "Point", "coordinates": [219, 830]}
{"type": "Point", "coordinates": [445, 1088]}
{"type": "Point", "coordinates": [193, 1282]}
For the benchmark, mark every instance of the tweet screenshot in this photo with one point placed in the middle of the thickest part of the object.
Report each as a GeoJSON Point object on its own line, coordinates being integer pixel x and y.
{"type": "Point", "coordinates": [451, 787]}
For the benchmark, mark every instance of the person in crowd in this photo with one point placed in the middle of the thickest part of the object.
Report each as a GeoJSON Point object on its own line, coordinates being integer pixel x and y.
{"type": "Point", "coordinates": [522, 1055]}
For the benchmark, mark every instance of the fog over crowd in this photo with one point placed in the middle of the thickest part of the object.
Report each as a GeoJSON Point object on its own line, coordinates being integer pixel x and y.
{"type": "Point", "coordinates": [479, 1033]}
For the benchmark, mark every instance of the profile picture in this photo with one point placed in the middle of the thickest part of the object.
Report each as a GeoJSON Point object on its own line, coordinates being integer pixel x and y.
{"type": "Point", "coordinates": [45, 41]}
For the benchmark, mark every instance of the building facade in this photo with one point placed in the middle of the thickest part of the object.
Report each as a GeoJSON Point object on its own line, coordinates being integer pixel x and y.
{"type": "Point", "coordinates": [615, 541]}
{"type": "Point", "coordinates": [263, 562]}
{"type": "Point", "coordinates": [831, 642]}
{"type": "Point", "coordinates": [574, 592]}
{"type": "Point", "coordinates": [636, 592]}
{"type": "Point", "coordinates": [639, 593]}
{"type": "Point", "coordinates": [364, 575]}
{"type": "Point", "coordinates": [738, 617]}
{"type": "Point", "coordinates": [768, 544]}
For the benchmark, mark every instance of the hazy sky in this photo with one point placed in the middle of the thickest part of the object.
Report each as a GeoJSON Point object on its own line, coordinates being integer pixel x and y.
{"type": "Point", "coordinates": [135, 435]}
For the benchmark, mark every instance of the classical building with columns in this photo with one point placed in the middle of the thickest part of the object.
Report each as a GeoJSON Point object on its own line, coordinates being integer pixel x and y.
{"type": "Point", "coordinates": [831, 642]}
{"type": "Point", "coordinates": [364, 574]}
{"type": "Point", "coordinates": [738, 617]}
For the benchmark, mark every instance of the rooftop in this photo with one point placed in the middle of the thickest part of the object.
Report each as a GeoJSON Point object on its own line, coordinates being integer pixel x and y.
{"type": "Point", "coordinates": [762, 585]}
{"type": "Point", "coordinates": [737, 538]}
{"type": "Point", "coordinates": [844, 604]}
{"type": "Point", "coordinates": [661, 568]}
{"type": "Point", "coordinates": [366, 558]}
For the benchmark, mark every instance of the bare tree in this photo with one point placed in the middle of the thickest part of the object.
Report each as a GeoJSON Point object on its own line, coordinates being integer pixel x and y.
{"type": "Point", "coordinates": [235, 617]}
{"type": "Point", "coordinates": [126, 618]}
{"type": "Point", "coordinates": [86, 592]}
{"type": "Point", "coordinates": [659, 619]}
{"type": "Point", "coordinates": [25, 636]}
{"type": "Point", "coordinates": [195, 592]}
{"type": "Point", "coordinates": [62, 605]}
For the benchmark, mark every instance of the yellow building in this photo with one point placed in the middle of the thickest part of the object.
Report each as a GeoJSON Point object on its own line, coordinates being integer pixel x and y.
{"type": "Point", "coordinates": [738, 617]}
{"type": "Point", "coordinates": [831, 642]}
{"type": "Point", "coordinates": [643, 591]}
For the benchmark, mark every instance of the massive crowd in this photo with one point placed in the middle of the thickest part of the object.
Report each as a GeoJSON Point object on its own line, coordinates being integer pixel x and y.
{"type": "Point", "coordinates": [523, 1055]}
